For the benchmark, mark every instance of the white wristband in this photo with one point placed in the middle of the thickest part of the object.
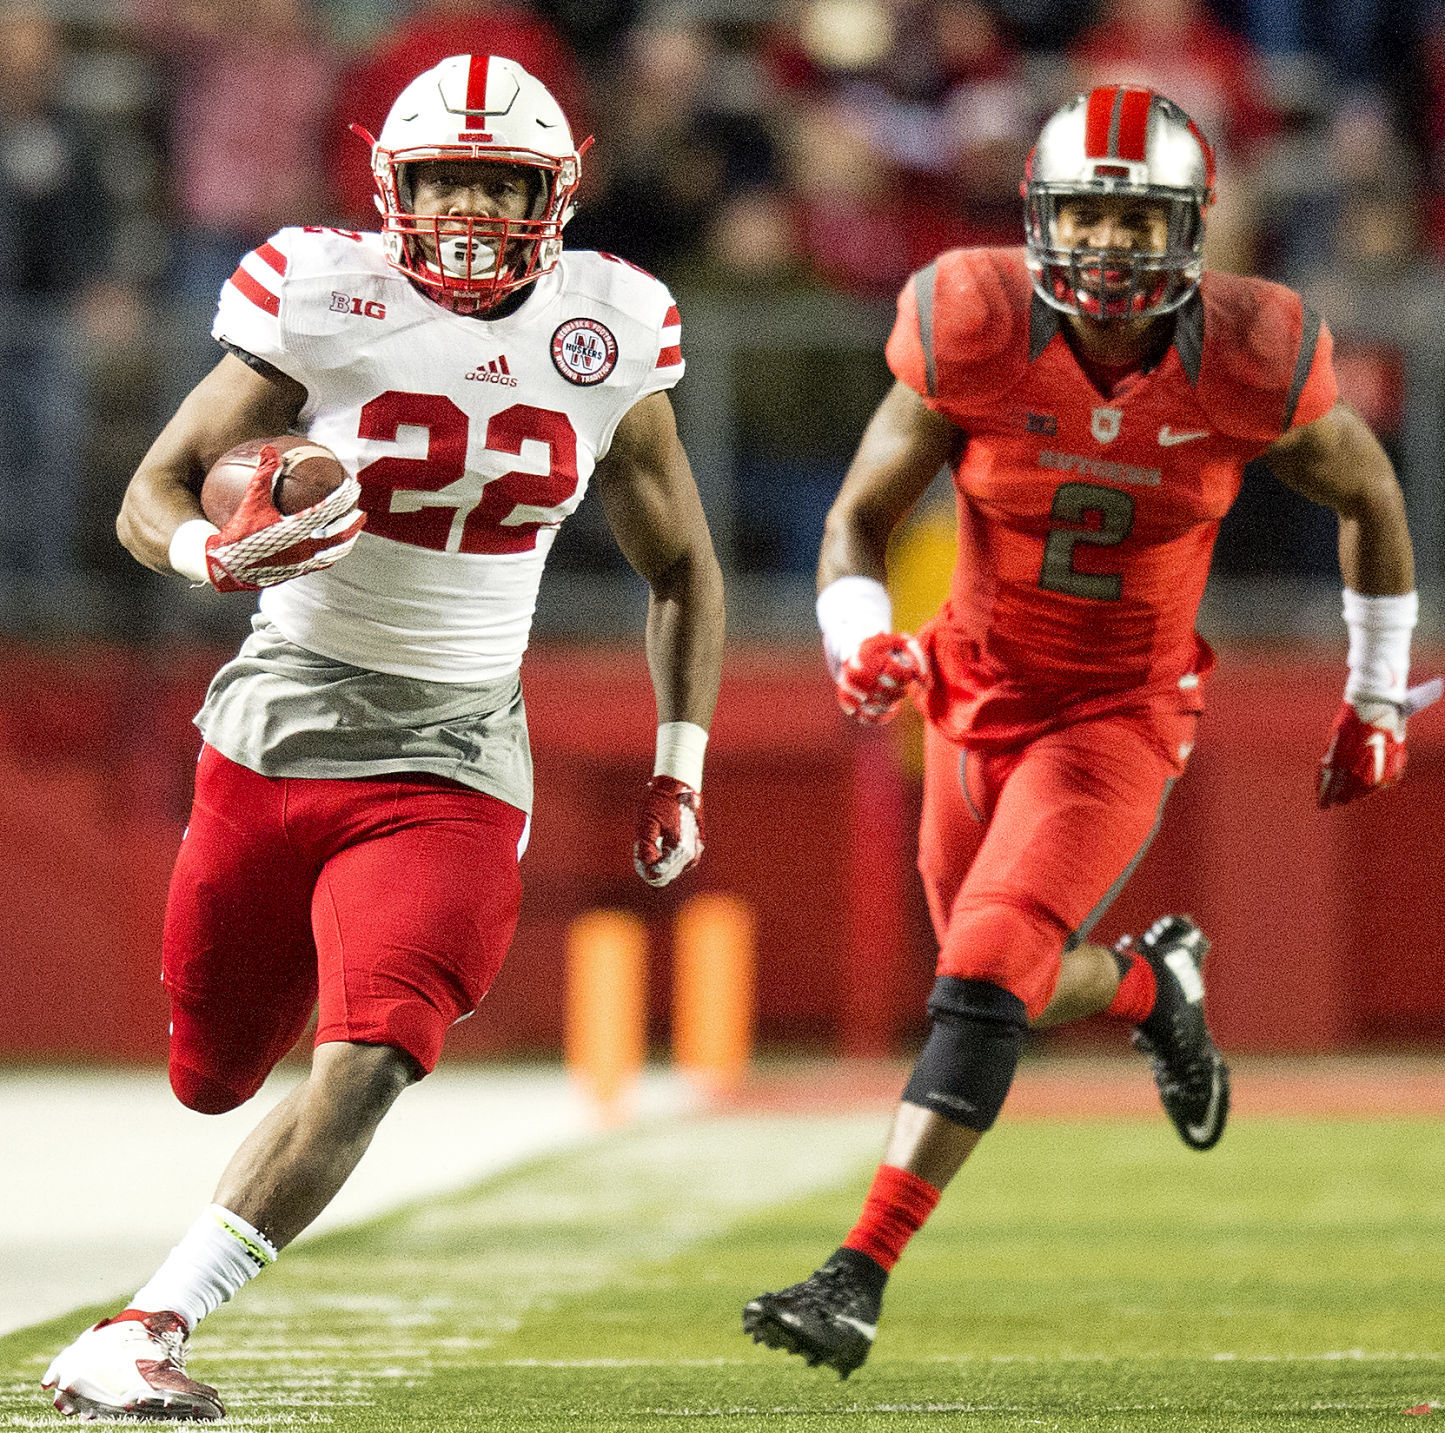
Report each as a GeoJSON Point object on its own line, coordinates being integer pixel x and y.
{"type": "Point", "coordinates": [850, 610]}
{"type": "Point", "coordinates": [187, 554]}
{"type": "Point", "coordinates": [680, 748]}
{"type": "Point", "coordinates": [1379, 657]}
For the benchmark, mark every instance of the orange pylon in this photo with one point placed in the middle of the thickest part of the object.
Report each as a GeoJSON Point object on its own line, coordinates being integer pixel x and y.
{"type": "Point", "coordinates": [712, 1010]}
{"type": "Point", "coordinates": [606, 1035]}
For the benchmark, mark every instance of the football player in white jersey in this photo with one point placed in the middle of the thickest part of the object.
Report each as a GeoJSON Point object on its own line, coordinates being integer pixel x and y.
{"type": "Point", "coordinates": [362, 794]}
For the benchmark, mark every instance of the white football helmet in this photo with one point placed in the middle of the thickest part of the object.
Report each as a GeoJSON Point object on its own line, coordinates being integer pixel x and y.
{"type": "Point", "coordinates": [485, 108]}
{"type": "Point", "coordinates": [1119, 141]}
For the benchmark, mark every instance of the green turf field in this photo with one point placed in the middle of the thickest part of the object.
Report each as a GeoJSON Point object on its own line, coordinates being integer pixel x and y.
{"type": "Point", "coordinates": [1079, 1276]}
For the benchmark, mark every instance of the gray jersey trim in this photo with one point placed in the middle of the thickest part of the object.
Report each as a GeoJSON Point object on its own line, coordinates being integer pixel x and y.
{"type": "Point", "coordinates": [963, 786]}
{"type": "Point", "coordinates": [1079, 936]}
{"type": "Point", "coordinates": [1043, 325]}
{"type": "Point", "coordinates": [923, 284]}
{"type": "Point", "coordinates": [1308, 342]}
{"type": "Point", "coordinates": [1189, 337]}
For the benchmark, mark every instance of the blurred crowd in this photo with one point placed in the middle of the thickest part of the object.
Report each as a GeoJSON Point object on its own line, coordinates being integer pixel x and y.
{"type": "Point", "coordinates": [745, 151]}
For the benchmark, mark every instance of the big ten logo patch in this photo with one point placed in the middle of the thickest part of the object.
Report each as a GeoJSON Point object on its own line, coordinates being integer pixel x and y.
{"type": "Point", "coordinates": [362, 308]}
{"type": "Point", "coordinates": [584, 351]}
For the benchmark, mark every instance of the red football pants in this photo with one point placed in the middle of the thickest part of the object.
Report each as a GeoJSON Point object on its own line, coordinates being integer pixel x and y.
{"type": "Point", "coordinates": [1022, 851]}
{"type": "Point", "coordinates": [388, 902]}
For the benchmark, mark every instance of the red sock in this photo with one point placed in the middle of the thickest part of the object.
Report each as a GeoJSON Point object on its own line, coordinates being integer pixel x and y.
{"type": "Point", "coordinates": [1134, 999]}
{"type": "Point", "coordinates": [893, 1213]}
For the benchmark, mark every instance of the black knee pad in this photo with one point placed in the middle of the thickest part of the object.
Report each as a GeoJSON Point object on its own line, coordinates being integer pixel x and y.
{"type": "Point", "coordinates": [969, 1058]}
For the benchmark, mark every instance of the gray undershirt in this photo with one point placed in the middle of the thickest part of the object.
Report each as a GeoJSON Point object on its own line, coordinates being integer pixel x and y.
{"type": "Point", "coordinates": [282, 710]}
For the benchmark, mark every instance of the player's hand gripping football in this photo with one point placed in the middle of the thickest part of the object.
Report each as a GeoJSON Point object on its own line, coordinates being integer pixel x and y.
{"type": "Point", "coordinates": [669, 830]}
{"type": "Point", "coordinates": [1367, 744]}
{"type": "Point", "coordinates": [262, 546]}
{"type": "Point", "coordinates": [872, 683]}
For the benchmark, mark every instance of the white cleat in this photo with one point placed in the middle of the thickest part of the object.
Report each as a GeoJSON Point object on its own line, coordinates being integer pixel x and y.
{"type": "Point", "coordinates": [131, 1366]}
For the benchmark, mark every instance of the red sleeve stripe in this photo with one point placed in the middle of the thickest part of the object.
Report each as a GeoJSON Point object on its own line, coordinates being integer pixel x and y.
{"type": "Point", "coordinates": [273, 256]}
{"type": "Point", "coordinates": [1133, 125]}
{"type": "Point", "coordinates": [1097, 122]}
{"type": "Point", "coordinates": [626, 263]}
{"type": "Point", "coordinates": [262, 297]}
{"type": "Point", "coordinates": [672, 317]}
{"type": "Point", "coordinates": [670, 356]}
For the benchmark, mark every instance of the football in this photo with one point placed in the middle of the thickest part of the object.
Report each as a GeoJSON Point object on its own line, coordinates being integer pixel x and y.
{"type": "Point", "coordinates": [308, 472]}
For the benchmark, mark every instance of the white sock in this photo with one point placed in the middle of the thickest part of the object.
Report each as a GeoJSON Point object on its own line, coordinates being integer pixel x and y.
{"type": "Point", "coordinates": [219, 1254]}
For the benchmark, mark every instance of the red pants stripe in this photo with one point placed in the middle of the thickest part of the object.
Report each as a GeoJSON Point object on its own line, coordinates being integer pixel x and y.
{"type": "Point", "coordinates": [387, 904]}
{"type": "Point", "coordinates": [1020, 865]}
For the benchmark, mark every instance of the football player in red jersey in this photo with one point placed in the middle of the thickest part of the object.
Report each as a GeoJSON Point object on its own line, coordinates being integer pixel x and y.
{"type": "Point", "coordinates": [1097, 396]}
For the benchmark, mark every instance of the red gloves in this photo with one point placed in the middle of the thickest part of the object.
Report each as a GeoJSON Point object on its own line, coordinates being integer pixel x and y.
{"type": "Point", "coordinates": [1367, 744]}
{"type": "Point", "coordinates": [261, 546]}
{"type": "Point", "coordinates": [1364, 755]}
{"type": "Point", "coordinates": [872, 684]}
{"type": "Point", "coordinates": [669, 831]}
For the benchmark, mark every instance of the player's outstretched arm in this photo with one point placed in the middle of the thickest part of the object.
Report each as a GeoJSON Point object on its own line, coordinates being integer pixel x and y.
{"type": "Point", "coordinates": [231, 404]}
{"type": "Point", "coordinates": [902, 449]}
{"type": "Point", "coordinates": [652, 506]}
{"type": "Point", "coordinates": [1337, 461]}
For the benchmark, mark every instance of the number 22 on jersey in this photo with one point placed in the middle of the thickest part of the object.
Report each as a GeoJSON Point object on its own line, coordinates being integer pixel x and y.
{"type": "Point", "coordinates": [437, 502]}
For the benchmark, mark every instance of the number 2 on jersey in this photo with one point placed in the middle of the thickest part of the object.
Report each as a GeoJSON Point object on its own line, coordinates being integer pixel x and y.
{"type": "Point", "coordinates": [434, 501]}
{"type": "Point", "coordinates": [1072, 503]}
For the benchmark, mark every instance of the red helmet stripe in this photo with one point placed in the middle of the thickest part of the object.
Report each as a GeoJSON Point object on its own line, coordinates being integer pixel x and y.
{"type": "Point", "coordinates": [477, 88]}
{"type": "Point", "coordinates": [1134, 125]}
{"type": "Point", "coordinates": [1208, 149]}
{"type": "Point", "coordinates": [1096, 122]}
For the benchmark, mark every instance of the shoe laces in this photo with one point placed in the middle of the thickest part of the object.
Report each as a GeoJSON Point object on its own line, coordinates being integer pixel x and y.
{"type": "Point", "coordinates": [831, 1289]}
{"type": "Point", "coordinates": [1193, 1078]}
{"type": "Point", "coordinates": [171, 1334]}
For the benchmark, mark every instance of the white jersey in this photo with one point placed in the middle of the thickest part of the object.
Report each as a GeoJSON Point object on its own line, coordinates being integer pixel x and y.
{"type": "Point", "coordinates": [472, 438]}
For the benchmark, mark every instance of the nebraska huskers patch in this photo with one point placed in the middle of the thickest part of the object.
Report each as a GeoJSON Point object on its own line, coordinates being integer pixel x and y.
{"type": "Point", "coordinates": [584, 351]}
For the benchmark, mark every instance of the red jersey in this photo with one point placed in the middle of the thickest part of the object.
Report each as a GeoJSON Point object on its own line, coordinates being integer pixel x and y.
{"type": "Point", "coordinates": [1086, 523]}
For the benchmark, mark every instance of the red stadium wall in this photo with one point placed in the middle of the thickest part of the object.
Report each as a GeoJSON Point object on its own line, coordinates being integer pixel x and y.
{"type": "Point", "coordinates": [1326, 925]}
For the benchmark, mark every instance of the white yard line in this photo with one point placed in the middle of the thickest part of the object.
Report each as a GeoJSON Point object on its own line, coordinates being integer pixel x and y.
{"type": "Point", "coordinates": [101, 1171]}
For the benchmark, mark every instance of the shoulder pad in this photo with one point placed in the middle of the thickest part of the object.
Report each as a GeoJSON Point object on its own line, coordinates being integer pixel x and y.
{"type": "Point", "coordinates": [640, 312]}
{"type": "Point", "coordinates": [323, 250]}
{"type": "Point", "coordinates": [618, 283]}
{"type": "Point", "coordinates": [1261, 343]}
{"type": "Point", "coordinates": [962, 329]}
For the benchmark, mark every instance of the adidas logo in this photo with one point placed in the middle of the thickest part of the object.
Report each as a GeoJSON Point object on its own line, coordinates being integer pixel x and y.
{"type": "Point", "coordinates": [494, 372]}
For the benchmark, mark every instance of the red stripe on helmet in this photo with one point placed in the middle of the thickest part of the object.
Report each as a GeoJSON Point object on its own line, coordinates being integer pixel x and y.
{"type": "Point", "coordinates": [1096, 122]}
{"type": "Point", "coordinates": [273, 256]}
{"type": "Point", "coordinates": [1134, 125]}
{"type": "Point", "coordinates": [262, 297]}
{"type": "Point", "coordinates": [1208, 149]}
{"type": "Point", "coordinates": [477, 83]}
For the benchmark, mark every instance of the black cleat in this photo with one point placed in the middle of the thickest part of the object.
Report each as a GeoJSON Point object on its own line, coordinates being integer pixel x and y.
{"type": "Point", "coordinates": [831, 1317]}
{"type": "Point", "coordinates": [1193, 1080]}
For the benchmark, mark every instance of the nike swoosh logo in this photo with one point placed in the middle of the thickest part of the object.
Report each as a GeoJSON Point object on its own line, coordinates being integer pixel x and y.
{"type": "Point", "coordinates": [1168, 439]}
{"type": "Point", "coordinates": [1205, 1128]}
